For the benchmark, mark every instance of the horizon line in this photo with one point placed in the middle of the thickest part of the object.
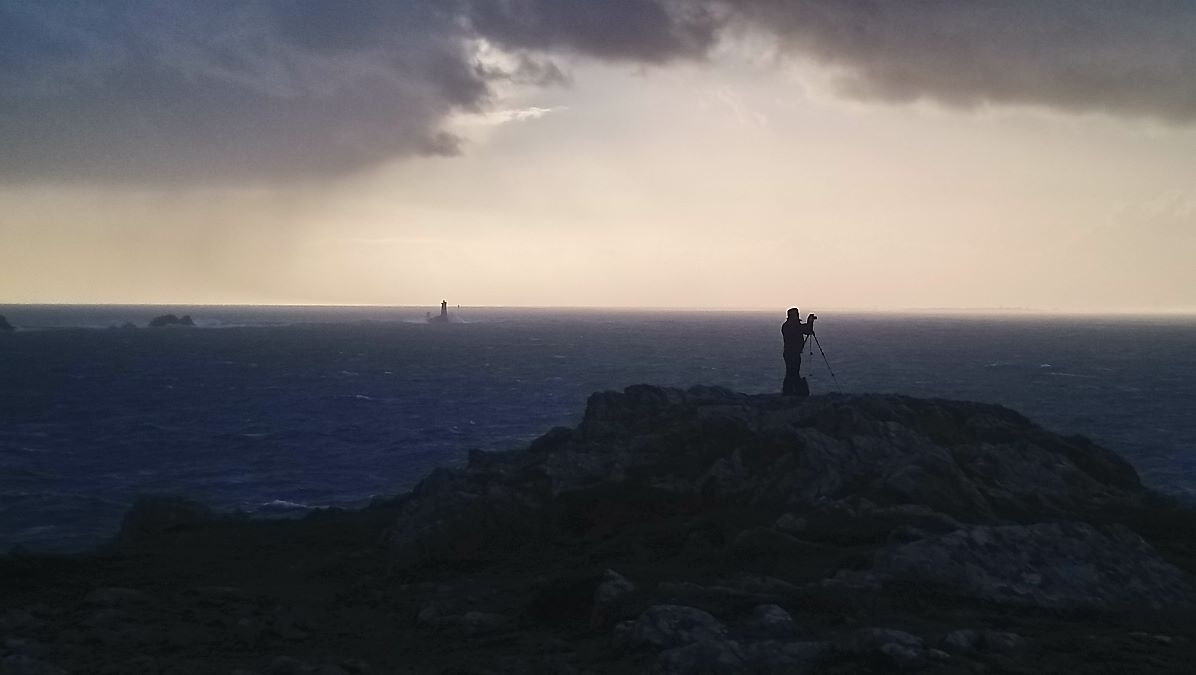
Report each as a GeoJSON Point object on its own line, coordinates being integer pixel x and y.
{"type": "Point", "coordinates": [1122, 311]}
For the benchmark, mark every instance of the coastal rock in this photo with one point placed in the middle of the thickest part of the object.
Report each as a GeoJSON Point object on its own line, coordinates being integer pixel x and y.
{"type": "Point", "coordinates": [904, 650]}
{"type": "Point", "coordinates": [707, 656]}
{"type": "Point", "coordinates": [700, 595]}
{"type": "Point", "coordinates": [770, 622]}
{"type": "Point", "coordinates": [856, 520]}
{"type": "Point", "coordinates": [19, 664]}
{"type": "Point", "coordinates": [841, 502]}
{"type": "Point", "coordinates": [462, 523]}
{"type": "Point", "coordinates": [728, 511]}
{"type": "Point", "coordinates": [1050, 565]}
{"type": "Point", "coordinates": [153, 516]}
{"type": "Point", "coordinates": [5, 326]}
{"type": "Point", "coordinates": [287, 665]}
{"type": "Point", "coordinates": [115, 597]}
{"type": "Point", "coordinates": [780, 657]}
{"type": "Point", "coordinates": [17, 619]}
{"type": "Point", "coordinates": [962, 640]}
{"type": "Point", "coordinates": [171, 320]}
{"type": "Point", "coordinates": [138, 665]}
{"type": "Point", "coordinates": [607, 597]}
{"type": "Point", "coordinates": [1002, 642]}
{"type": "Point", "coordinates": [872, 639]}
{"type": "Point", "coordinates": [483, 623]}
{"type": "Point", "coordinates": [835, 468]}
{"type": "Point", "coordinates": [667, 626]}
{"type": "Point", "coordinates": [966, 640]}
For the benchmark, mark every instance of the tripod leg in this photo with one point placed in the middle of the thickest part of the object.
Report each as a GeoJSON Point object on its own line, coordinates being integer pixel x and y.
{"type": "Point", "coordinates": [824, 359]}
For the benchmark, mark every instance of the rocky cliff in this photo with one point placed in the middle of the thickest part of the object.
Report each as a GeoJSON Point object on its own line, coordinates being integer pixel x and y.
{"type": "Point", "coordinates": [695, 531]}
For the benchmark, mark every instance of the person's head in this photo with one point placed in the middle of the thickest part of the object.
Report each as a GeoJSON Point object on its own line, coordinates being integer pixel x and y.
{"type": "Point", "coordinates": [793, 313]}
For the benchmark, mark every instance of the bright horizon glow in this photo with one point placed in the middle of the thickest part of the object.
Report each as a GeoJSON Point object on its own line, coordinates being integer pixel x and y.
{"type": "Point", "coordinates": [978, 312]}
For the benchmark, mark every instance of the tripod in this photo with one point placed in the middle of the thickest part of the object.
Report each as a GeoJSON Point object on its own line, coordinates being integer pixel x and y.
{"type": "Point", "coordinates": [824, 359]}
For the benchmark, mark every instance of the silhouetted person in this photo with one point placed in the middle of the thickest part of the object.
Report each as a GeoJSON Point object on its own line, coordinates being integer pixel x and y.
{"type": "Point", "coordinates": [444, 310]}
{"type": "Point", "coordinates": [795, 334]}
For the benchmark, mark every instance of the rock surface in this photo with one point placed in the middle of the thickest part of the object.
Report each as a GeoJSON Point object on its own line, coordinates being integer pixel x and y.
{"type": "Point", "coordinates": [698, 531]}
{"type": "Point", "coordinates": [971, 497]}
{"type": "Point", "coordinates": [1049, 565]}
{"type": "Point", "coordinates": [171, 320]}
{"type": "Point", "coordinates": [665, 626]}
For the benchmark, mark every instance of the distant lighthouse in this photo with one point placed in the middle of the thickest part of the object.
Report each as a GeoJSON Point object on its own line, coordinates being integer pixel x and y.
{"type": "Point", "coordinates": [443, 318]}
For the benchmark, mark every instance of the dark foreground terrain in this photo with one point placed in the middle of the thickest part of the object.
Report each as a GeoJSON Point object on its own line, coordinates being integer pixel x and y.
{"type": "Point", "coordinates": [679, 532]}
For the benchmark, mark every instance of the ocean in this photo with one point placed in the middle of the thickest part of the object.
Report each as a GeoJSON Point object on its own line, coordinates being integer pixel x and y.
{"type": "Point", "coordinates": [278, 410]}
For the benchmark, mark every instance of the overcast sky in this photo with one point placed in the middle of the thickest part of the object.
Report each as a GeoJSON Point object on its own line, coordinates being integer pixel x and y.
{"type": "Point", "coordinates": [689, 153]}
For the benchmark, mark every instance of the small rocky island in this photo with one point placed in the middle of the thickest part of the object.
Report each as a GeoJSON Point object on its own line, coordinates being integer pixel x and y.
{"type": "Point", "coordinates": [171, 320]}
{"type": "Point", "coordinates": [671, 531]}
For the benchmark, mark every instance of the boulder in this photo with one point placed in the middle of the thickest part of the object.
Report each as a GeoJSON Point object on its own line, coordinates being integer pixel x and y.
{"type": "Point", "coordinates": [770, 622]}
{"type": "Point", "coordinates": [961, 641]}
{"type": "Point", "coordinates": [1002, 642]}
{"type": "Point", "coordinates": [707, 656]}
{"type": "Point", "coordinates": [966, 640]}
{"type": "Point", "coordinates": [902, 649]}
{"type": "Point", "coordinates": [612, 591]}
{"type": "Point", "coordinates": [867, 640]}
{"type": "Point", "coordinates": [1049, 565]}
{"type": "Point", "coordinates": [667, 626]}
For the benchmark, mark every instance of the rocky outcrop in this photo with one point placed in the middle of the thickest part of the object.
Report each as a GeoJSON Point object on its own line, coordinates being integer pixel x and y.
{"type": "Point", "coordinates": [836, 469]}
{"type": "Point", "coordinates": [171, 320]}
{"type": "Point", "coordinates": [5, 326]}
{"type": "Point", "coordinates": [972, 462]}
{"type": "Point", "coordinates": [853, 500]}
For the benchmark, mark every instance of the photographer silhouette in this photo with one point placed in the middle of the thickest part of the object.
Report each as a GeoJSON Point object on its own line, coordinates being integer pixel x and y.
{"type": "Point", "coordinates": [795, 334]}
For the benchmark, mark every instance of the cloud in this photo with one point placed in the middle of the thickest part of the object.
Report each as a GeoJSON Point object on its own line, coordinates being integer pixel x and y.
{"type": "Point", "coordinates": [1132, 58]}
{"type": "Point", "coordinates": [269, 90]}
{"type": "Point", "coordinates": [171, 89]}
{"type": "Point", "coordinates": [272, 90]}
{"type": "Point", "coordinates": [648, 31]}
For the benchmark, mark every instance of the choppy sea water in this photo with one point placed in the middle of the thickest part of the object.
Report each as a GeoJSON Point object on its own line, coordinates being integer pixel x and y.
{"type": "Point", "coordinates": [279, 410]}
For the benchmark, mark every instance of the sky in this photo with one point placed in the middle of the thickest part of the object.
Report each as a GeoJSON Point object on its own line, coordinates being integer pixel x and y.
{"type": "Point", "coordinates": [612, 153]}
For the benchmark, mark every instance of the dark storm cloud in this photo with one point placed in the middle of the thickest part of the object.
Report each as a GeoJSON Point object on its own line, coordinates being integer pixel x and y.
{"type": "Point", "coordinates": [1124, 57]}
{"type": "Point", "coordinates": [221, 90]}
{"type": "Point", "coordinates": [635, 30]}
{"type": "Point", "coordinates": [161, 89]}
